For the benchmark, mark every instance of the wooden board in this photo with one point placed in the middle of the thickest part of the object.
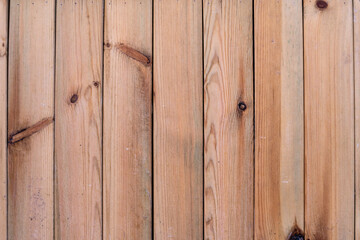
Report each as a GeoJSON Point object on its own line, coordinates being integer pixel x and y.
{"type": "Point", "coordinates": [178, 120]}
{"type": "Point", "coordinates": [127, 120]}
{"type": "Point", "coordinates": [279, 135]}
{"type": "Point", "coordinates": [3, 116]}
{"type": "Point", "coordinates": [356, 50]}
{"type": "Point", "coordinates": [329, 119]}
{"type": "Point", "coordinates": [228, 130]}
{"type": "Point", "coordinates": [30, 114]}
{"type": "Point", "coordinates": [78, 127]}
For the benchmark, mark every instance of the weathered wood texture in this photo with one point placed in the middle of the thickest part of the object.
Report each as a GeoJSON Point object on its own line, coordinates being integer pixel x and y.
{"type": "Point", "coordinates": [3, 115]}
{"type": "Point", "coordinates": [279, 134]}
{"type": "Point", "coordinates": [190, 119]}
{"type": "Point", "coordinates": [178, 120]}
{"type": "Point", "coordinates": [127, 120]}
{"type": "Point", "coordinates": [329, 119]}
{"type": "Point", "coordinates": [228, 130]}
{"type": "Point", "coordinates": [78, 127]}
{"type": "Point", "coordinates": [31, 100]}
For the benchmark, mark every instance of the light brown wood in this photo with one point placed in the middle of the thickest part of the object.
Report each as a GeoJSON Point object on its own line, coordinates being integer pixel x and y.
{"type": "Point", "coordinates": [178, 120]}
{"type": "Point", "coordinates": [78, 126]}
{"type": "Point", "coordinates": [356, 50]}
{"type": "Point", "coordinates": [279, 124]}
{"type": "Point", "coordinates": [127, 120]}
{"type": "Point", "coordinates": [329, 120]}
{"type": "Point", "coordinates": [228, 130]}
{"type": "Point", "coordinates": [3, 115]}
{"type": "Point", "coordinates": [30, 100]}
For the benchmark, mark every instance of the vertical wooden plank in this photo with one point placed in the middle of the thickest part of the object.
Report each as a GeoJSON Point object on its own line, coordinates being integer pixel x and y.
{"type": "Point", "coordinates": [356, 19]}
{"type": "Point", "coordinates": [228, 112]}
{"type": "Point", "coordinates": [127, 120]}
{"type": "Point", "coordinates": [30, 119]}
{"type": "Point", "coordinates": [78, 127]}
{"type": "Point", "coordinates": [178, 120]}
{"type": "Point", "coordinates": [279, 134]}
{"type": "Point", "coordinates": [329, 119]}
{"type": "Point", "coordinates": [3, 115]}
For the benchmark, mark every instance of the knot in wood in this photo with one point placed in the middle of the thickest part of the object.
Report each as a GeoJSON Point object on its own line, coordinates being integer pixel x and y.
{"type": "Point", "coordinates": [321, 4]}
{"type": "Point", "coordinates": [242, 106]}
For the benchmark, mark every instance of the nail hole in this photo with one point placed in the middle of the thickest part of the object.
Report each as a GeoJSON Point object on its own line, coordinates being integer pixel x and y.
{"type": "Point", "coordinates": [74, 98]}
{"type": "Point", "coordinates": [321, 4]}
{"type": "Point", "coordinates": [242, 106]}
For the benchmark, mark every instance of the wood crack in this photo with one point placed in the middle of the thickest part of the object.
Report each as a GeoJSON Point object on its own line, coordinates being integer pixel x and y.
{"type": "Point", "coordinates": [27, 132]}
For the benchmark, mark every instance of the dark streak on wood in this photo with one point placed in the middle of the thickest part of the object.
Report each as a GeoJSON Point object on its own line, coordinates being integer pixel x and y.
{"type": "Point", "coordinates": [27, 132]}
{"type": "Point", "coordinates": [132, 53]}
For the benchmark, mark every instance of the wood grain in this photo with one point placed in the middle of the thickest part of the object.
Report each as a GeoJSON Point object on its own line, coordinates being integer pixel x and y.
{"type": "Point", "coordinates": [178, 120]}
{"type": "Point", "coordinates": [329, 120]}
{"type": "Point", "coordinates": [228, 130]}
{"type": "Point", "coordinates": [3, 116]}
{"type": "Point", "coordinates": [127, 120]}
{"type": "Point", "coordinates": [78, 127]}
{"type": "Point", "coordinates": [279, 135]}
{"type": "Point", "coordinates": [30, 100]}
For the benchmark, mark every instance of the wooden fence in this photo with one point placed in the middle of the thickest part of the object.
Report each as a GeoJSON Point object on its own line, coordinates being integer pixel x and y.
{"type": "Point", "coordinates": [180, 119]}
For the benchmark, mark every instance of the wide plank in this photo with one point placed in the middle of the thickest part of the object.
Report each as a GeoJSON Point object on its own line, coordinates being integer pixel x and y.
{"type": "Point", "coordinates": [3, 116]}
{"type": "Point", "coordinates": [127, 120]}
{"type": "Point", "coordinates": [78, 127]}
{"type": "Point", "coordinates": [31, 110]}
{"type": "Point", "coordinates": [178, 120]}
{"type": "Point", "coordinates": [228, 123]}
{"type": "Point", "coordinates": [329, 119]}
{"type": "Point", "coordinates": [279, 124]}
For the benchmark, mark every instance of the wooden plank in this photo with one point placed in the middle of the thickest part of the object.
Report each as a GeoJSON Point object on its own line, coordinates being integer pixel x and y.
{"type": "Point", "coordinates": [228, 130]}
{"type": "Point", "coordinates": [279, 134]}
{"type": "Point", "coordinates": [127, 120]}
{"type": "Point", "coordinates": [178, 120]}
{"type": "Point", "coordinates": [356, 20]}
{"type": "Point", "coordinates": [329, 119]}
{"type": "Point", "coordinates": [31, 101]}
{"type": "Point", "coordinates": [3, 116]}
{"type": "Point", "coordinates": [78, 128]}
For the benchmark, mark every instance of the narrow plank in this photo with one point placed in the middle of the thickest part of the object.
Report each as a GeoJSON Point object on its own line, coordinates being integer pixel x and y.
{"type": "Point", "coordinates": [127, 120]}
{"type": "Point", "coordinates": [329, 119]}
{"type": "Point", "coordinates": [228, 130]}
{"type": "Point", "coordinates": [279, 125]}
{"type": "Point", "coordinates": [178, 120]}
{"type": "Point", "coordinates": [78, 128]}
{"type": "Point", "coordinates": [31, 100]}
{"type": "Point", "coordinates": [3, 115]}
{"type": "Point", "coordinates": [356, 20]}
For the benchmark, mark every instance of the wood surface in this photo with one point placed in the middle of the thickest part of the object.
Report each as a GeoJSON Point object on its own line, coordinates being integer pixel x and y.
{"type": "Point", "coordinates": [3, 116]}
{"type": "Point", "coordinates": [228, 130]}
{"type": "Point", "coordinates": [190, 119]}
{"type": "Point", "coordinates": [178, 120]}
{"type": "Point", "coordinates": [356, 50]}
{"type": "Point", "coordinates": [279, 124]}
{"type": "Point", "coordinates": [329, 119]}
{"type": "Point", "coordinates": [127, 139]}
{"type": "Point", "coordinates": [78, 126]}
{"type": "Point", "coordinates": [30, 101]}
{"type": "Point", "coordinates": [356, 20]}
